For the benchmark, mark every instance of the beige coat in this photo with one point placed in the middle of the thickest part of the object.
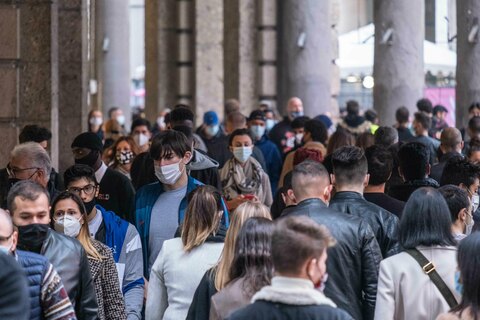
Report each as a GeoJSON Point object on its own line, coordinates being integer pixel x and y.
{"type": "Point", "coordinates": [406, 292]}
{"type": "Point", "coordinates": [228, 300]}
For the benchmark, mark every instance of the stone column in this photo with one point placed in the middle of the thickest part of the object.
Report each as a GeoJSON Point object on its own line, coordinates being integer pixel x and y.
{"type": "Point", "coordinates": [208, 65]}
{"type": "Point", "coordinates": [241, 53]}
{"type": "Point", "coordinates": [161, 50]}
{"type": "Point", "coordinates": [398, 64]}
{"type": "Point", "coordinates": [28, 71]}
{"type": "Point", "coordinates": [305, 54]}
{"type": "Point", "coordinates": [113, 55]}
{"type": "Point", "coordinates": [73, 76]}
{"type": "Point", "coordinates": [468, 58]}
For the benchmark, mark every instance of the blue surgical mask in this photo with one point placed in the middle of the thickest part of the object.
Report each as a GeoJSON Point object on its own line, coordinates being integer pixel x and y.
{"type": "Point", "coordinates": [257, 131]}
{"type": "Point", "coordinates": [296, 114]}
{"type": "Point", "coordinates": [212, 130]}
{"type": "Point", "coordinates": [458, 284]}
{"type": "Point", "coordinates": [242, 153]}
{"type": "Point", "coordinates": [269, 124]}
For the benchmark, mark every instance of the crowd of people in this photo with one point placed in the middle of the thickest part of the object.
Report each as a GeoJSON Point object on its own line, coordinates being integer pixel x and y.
{"type": "Point", "coordinates": [252, 217]}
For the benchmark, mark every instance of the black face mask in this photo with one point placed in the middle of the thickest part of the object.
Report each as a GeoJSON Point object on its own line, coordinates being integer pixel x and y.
{"type": "Point", "coordinates": [32, 236]}
{"type": "Point", "coordinates": [90, 159]}
{"type": "Point", "coordinates": [89, 205]}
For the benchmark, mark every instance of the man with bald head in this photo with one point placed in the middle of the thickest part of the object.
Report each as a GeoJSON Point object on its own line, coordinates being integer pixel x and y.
{"type": "Point", "coordinates": [451, 145]}
{"type": "Point", "coordinates": [282, 133]}
{"type": "Point", "coordinates": [48, 297]}
{"type": "Point", "coordinates": [355, 257]}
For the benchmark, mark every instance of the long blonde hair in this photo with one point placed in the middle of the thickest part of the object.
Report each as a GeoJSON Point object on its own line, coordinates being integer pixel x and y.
{"type": "Point", "coordinates": [202, 217]}
{"type": "Point", "coordinates": [84, 234]}
{"type": "Point", "coordinates": [243, 212]}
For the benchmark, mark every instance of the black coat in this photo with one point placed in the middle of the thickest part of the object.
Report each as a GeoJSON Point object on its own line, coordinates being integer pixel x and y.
{"type": "Point", "coordinates": [437, 169]}
{"type": "Point", "coordinates": [356, 257]}
{"type": "Point", "coordinates": [403, 191]}
{"type": "Point", "coordinates": [384, 224]}
{"type": "Point", "coordinates": [265, 310]}
{"type": "Point", "coordinates": [200, 306]}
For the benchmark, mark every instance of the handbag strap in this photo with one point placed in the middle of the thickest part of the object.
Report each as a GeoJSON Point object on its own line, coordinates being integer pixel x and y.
{"type": "Point", "coordinates": [428, 267]}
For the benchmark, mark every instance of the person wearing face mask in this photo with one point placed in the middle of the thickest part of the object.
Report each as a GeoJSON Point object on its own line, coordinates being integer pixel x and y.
{"type": "Point", "coordinates": [160, 206]}
{"type": "Point", "coordinates": [356, 255]}
{"type": "Point", "coordinates": [270, 121]}
{"type": "Point", "coordinates": [460, 210]}
{"type": "Point", "coordinates": [273, 158]}
{"type": "Point", "coordinates": [48, 297]}
{"type": "Point", "coordinates": [124, 151]}
{"type": "Point", "coordinates": [69, 217]}
{"type": "Point", "coordinates": [242, 177]}
{"type": "Point", "coordinates": [115, 113]}
{"type": "Point", "coordinates": [213, 136]}
{"type": "Point", "coordinates": [141, 133]}
{"type": "Point", "coordinates": [282, 133]}
{"type": "Point", "coordinates": [116, 192]}
{"type": "Point", "coordinates": [460, 172]}
{"type": "Point", "coordinates": [29, 207]}
{"type": "Point", "coordinates": [95, 123]}
{"type": "Point", "coordinates": [119, 235]}
{"type": "Point", "coordinates": [295, 292]}
{"type": "Point", "coordinates": [28, 161]}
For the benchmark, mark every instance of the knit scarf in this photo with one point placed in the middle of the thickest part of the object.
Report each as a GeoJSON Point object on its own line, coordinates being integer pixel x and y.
{"type": "Point", "coordinates": [236, 182]}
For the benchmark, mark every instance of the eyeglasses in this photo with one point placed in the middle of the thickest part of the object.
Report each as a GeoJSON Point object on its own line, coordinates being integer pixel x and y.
{"type": "Point", "coordinates": [12, 172]}
{"type": "Point", "coordinates": [89, 189]}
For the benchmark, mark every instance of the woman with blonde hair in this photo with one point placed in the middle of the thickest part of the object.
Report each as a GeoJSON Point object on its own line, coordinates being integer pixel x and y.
{"type": "Point", "coordinates": [70, 218]}
{"type": "Point", "coordinates": [217, 278]}
{"type": "Point", "coordinates": [182, 261]}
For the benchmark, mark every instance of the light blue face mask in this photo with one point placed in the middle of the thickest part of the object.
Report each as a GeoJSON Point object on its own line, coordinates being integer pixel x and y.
{"type": "Point", "coordinates": [257, 131]}
{"type": "Point", "coordinates": [212, 130]}
{"type": "Point", "coordinates": [296, 114]}
{"type": "Point", "coordinates": [458, 284]}
{"type": "Point", "coordinates": [242, 153]}
{"type": "Point", "coordinates": [269, 124]}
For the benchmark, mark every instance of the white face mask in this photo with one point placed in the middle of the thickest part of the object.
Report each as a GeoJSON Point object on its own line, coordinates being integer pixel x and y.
{"type": "Point", "coordinates": [68, 225]}
{"type": "Point", "coordinates": [242, 153]}
{"type": "Point", "coordinates": [469, 226]}
{"type": "Point", "coordinates": [269, 124]}
{"type": "Point", "coordinates": [141, 139]}
{"type": "Point", "coordinates": [475, 202]}
{"type": "Point", "coordinates": [96, 121]}
{"type": "Point", "coordinates": [169, 174]}
{"type": "Point", "coordinates": [257, 131]}
{"type": "Point", "coordinates": [161, 122]}
{"type": "Point", "coordinates": [298, 138]}
{"type": "Point", "coordinates": [121, 119]}
{"type": "Point", "coordinates": [212, 130]}
{"type": "Point", "coordinates": [7, 250]}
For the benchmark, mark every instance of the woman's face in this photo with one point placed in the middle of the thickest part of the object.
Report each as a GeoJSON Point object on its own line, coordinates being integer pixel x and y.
{"type": "Point", "coordinates": [241, 141]}
{"type": "Point", "coordinates": [123, 146]}
{"type": "Point", "coordinates": [67, 207]}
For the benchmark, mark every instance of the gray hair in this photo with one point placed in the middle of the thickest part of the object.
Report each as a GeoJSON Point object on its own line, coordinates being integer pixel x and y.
{"type": "Point", "coordinates": [37, 156]}
{"type": "Point", "coordinates": [7, 218]}
{"type": "Point", "coordinates": [26, 190]}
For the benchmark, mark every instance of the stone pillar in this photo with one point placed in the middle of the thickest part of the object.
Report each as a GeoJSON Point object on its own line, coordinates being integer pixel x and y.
{"type": "Point", "coordinates": [113, 55]}
{"type": "Point", "coordinates": [267, 14]}
{"type": "Point", "coordinates": [73, 76]}
{"type": "Point", "coordinates": [398, 63]}
{"type": "Point", "coordinates": [28, 71]}
{"type": "Point", "coordinates": [241, 53]}
{"type": "Point", "coordinates": [208, 63]}
{"type": "Point", "coordinates": [468, 58]}
{"type": "Point", "coordinates": [184, 59]}
{"type": "Point", "coordinates": [305, 54]}
{"type": "Point", "coordinates": [161, 50]}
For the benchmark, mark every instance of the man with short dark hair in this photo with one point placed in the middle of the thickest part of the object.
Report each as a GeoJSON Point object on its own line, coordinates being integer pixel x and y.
{"type": "Point", "coordinates": [414, 168]}
{"type": "Point", "coordinates": [356, 255]}
{"type": "Point", "coordinates": [386, 136]}
{"type": "Point", "coordinates": [350, 175]}
{"type": "Point", "coordinates": [181, 115]}
{"type": "Point", "coordinates": [460, 209]}
{"type": "Point", "coordinates": [160, 206]}
{"type": "Point", "coordinates": [451, 145]}
{"type": "Point", "coordinates": [425, 106]}
{"type": "Point", "coordinates": [141, 132]}
{"type": "Point", "coordinates": [380, 164]}
{"type": "Point", "coordinates": [273, 158]}
{"type": "Point", "coordinates": [353, 121]}
{"type": "Point", "coordinates": [116, 192]}
{"type": "Point", "coordinates": [29, 207]}
{"type": "Point", "coordinates": [438, 121]}
{"type": "Point", "coordinates": [402, 116]}
{"type": "Point", "coordinates": [293, 293]}
{"type": "Point", "coordinates": [298, 128]}
{"type": "Point", "coordinates": [421, 125]}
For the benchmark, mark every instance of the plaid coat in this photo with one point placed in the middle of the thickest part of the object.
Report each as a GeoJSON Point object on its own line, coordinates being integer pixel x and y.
{"type": "Point", "coordinates": [111, 305]}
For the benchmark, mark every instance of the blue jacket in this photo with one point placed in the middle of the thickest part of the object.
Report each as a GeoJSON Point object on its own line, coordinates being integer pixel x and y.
{"type": "Point", "coordinates": [145, 200]}
{"type": "Point", "coordinates": [273, 159]}
{"type": "Point", "coordinates": [35, 267]}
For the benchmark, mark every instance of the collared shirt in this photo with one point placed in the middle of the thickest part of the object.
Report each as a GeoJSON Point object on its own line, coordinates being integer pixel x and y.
{"type": "Point", "coordinates": [95, 223]}
{"type": "Point", "coordinates": [101, 172]}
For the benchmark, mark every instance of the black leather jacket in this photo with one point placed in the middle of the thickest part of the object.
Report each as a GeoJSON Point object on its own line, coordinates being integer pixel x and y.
{"type": "Point", "coordinates": [70, 260]}
{"type": "Point", "coordinates": [384, 224]}
{"type": "Point", "coordinates": [352, 264]}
